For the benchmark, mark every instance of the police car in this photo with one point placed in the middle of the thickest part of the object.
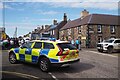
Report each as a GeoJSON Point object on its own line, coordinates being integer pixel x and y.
{"type": "Point", "coordinates": [45, 53]}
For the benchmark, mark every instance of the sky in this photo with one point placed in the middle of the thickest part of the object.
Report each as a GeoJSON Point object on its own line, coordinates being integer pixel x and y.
{"type": "Point", "coordinates": [28, 15]}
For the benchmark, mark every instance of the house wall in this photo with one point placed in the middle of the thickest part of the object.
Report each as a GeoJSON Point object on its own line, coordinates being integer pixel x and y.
{"type": "Point", "coordinates": [94, 35]}
{"type": "Point", "coordinates": [106, 34]}
{"type": "Point", "coordinates": [118, 31]}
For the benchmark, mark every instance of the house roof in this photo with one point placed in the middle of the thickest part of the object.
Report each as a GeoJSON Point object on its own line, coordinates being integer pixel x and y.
{"type": "Point", "coordinates": [58, 26]}
{"type": "Point", "coordinates": [61, 24]}
{"type": "Point", "coordinates": [43, 30]}
{"type": "Point", "coordinates": [47, 29]}
{"type": "Point", "coordinates": [104, 19]}
{"type": "Point", "coordinates": [93, 19]}
{"type": "Point", "coordinates": [52, 27]}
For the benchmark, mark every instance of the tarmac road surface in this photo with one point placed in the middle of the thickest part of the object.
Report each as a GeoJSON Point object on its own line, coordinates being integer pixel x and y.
{"type": "Point", "coordinates": [92, 65]}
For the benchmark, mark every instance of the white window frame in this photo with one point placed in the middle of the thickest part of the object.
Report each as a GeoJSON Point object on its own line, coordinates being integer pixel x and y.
{"type": "Point", "coordinates": [69, 31]}
{"type": "Point", "coordinates": [99, 28]}
{"type": "Point", "coordinates": [112, 29]}
{"type": "Point", "coordinates": [53, 31]}
{"type": "Point", "coordinates": [79, 29]}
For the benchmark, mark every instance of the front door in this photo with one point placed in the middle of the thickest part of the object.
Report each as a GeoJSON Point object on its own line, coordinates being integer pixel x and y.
{"type": "Point", "coordinates": [36, 51]}
{"type": "Point", "coordinates": [25, 52]}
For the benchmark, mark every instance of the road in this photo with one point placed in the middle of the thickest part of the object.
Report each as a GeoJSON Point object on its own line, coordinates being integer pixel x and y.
{"type": "Point", "coordinates": [92, 65]}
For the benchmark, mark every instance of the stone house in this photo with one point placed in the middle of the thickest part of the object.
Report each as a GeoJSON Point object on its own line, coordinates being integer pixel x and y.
{"type": "Point", "coordinates": [91, 28]}
{"type": "Point", "coordinates": [55, 27]}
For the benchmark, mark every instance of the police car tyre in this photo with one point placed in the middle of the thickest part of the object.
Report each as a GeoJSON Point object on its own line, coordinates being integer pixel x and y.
{"type": "Point", "coordinates": [12, 58]}
{"type": "Point", "coordinates": [44, 64]}
{"type": "Point", "coordinates": [110, 49]}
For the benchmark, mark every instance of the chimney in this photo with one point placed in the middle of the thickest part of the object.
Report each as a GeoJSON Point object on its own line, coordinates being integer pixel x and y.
{"type": "Point", "coordinates": [84, 13]}
{"type": "Point", "coordinates": [42, 27]}
{"type": "Point", "coordinates": [38, 28]}
{"type": "Point", "coordinates": [55, 22]}
{"type": "Point", "coordinates": [46, 26]}
{"type": "Point", "coordinates": [65, 17]}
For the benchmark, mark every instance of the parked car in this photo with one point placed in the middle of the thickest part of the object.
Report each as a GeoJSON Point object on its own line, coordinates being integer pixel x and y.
{"type": "Point", "coordinates": [109, 45]}
{"type": "Point", "coordinates": [45, 53]}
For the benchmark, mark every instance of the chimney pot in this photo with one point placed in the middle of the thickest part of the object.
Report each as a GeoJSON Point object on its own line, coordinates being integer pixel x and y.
{"type": "Point", "coordinates": [84, 13]}
{"type": "Point", "coordinates": [55, 22]}
{"type": "Point", "coordinates": [65, 17]}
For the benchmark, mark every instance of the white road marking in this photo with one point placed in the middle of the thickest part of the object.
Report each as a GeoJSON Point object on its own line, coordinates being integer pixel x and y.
{"type": "Point", "coordinates": [20, 74]}
{"type": "Point", "coordinates": [52, 76]}
{"type": "Point", "coordinates": [102, 54]}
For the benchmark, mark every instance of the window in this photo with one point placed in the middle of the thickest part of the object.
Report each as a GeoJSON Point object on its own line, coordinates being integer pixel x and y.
{"type": "Point", "coordinates": [99, 28]}
{"type": "Point", "coordinates": [69, 31]}
{"type": "Point", "coordinates": [66, 46]}
{"type": "Point", "coordinates": [48, 46]}
{"type": "Point", "coordinates": [53, 32]}
{"type": "Point", "coordinates": [112, 29]}
{"type": "Point", "coordinates": [91, 29]}
{"type": "Point", "coordinates": [99, 39]}
{"type": "Point", "coordinates": [109, 41]}
{"type": "Point", "coordinates": [38, 45]}
{"type": "Point", "coordinates": [79, 29]}
{"type": "Point", "coordinates": [62, 32]}
{"type": "Point", "coordinates": [117, 41]}
{"type": "Point", "coordinates": [27, 45]}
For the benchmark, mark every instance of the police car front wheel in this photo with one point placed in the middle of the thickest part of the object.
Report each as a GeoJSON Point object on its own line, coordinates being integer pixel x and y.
{"type": "Point", "coordinates": [12, 58]}
{"type": "Point", "coordinates": [44, 64]}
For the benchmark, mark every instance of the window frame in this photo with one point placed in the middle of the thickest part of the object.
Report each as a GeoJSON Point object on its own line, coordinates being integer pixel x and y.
{"type": "Point", "coordinates": [26, 45]}
{"type": "Point", "coordinates": [100, 39]}
{"type": "Point", "coordinates": [112, 29]}
{"type": "Point", "coordinates": [53, 32]}
{"type": "Point", "coordinates": [79, 30]}
{"type": "Point", "coordinates": [69, 31]}
{"type": "Point", "coordinates": [99, 28]}
{"type": "Point", "coordinates": [48, 43]}
{"type": "Point", "coordinates": [37, 48]}
{"type": "Point", "coordinates": [117, 40]}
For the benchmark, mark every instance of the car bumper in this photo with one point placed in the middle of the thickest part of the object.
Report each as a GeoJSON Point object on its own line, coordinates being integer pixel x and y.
{"type": "Point", "coordinates": [64, 63]}
{"type": "Point", "coordinates": [102, 48]}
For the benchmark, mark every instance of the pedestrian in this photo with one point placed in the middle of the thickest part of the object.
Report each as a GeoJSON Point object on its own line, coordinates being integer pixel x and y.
{"type": "Point", "coordinates": [72, 42]}
{"type": "Point", "coordinates": [17, 42]}
{"type": "Point", "coordinates": [87, 43]}
{"type": "Point", "coordinates": [77, 43]}
{"type": "Point", "coordinates": [69, 40]}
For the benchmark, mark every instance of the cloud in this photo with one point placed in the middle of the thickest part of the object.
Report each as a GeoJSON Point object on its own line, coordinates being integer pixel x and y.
{"type": "Point", "coordinates": [94, 5]}
{"type": "Point", "coordinates": [63, 0]}
{"type": "Point", "coordinates": [47, 12]}
{"type": "Point", "coordinates": [50, 12]}
{"type": "Point", "coordinates": [5, 6]}
{"type": "Point", "coordinates": [1, 5]}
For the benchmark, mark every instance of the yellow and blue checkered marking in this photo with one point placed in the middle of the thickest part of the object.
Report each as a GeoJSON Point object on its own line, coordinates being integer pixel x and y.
{"type": "Point", "coordinates": [16, 50]}
{"type": "Point", "coordinates": [44, 52]}
{"type": "Point", "coordinates": [30, 55]}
